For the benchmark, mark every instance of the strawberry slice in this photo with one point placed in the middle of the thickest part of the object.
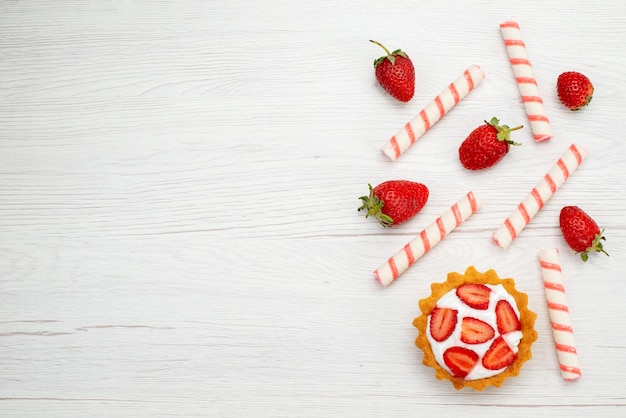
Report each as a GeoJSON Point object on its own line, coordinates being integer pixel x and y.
{"type": "Point", "coordinates": [499, 355]}
{"type": "Point", "coordinates": [460, 360]}
{"type": "Point", "coordinates": [506, 318]}
{"type": "Point", "coordinates": [474, 295]}
{"type": "Point", "coordinates": [442, 323]}
{"type": "Point", "coordinates": [475, 331]}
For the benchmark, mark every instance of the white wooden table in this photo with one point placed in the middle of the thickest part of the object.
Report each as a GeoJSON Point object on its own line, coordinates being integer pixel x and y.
{"type": "Point", "coordinates": [178, 193]}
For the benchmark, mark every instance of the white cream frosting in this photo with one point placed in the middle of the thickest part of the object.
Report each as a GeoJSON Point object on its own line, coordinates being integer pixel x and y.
{"type": "Point", "coordinates": [450, 300]}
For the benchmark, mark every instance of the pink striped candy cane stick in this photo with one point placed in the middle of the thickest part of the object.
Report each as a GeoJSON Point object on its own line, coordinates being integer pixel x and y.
{"type": "Point", "coordinates": [559, 314]}
{"type": "Point", "coordinates": [428, 238]}
{"type": "Point", "coordinates": [434, 111]}
{"type": "Point", "coordinates": [526, 82]}
{"type": "Point", "coordinates": [539, 195]}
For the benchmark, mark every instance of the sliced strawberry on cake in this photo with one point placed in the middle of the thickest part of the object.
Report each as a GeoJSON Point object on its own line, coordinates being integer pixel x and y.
{"type": "Point", "coordinates": [499, 355]}
{"type": "Point", "coordinates": [474, 295]}
{"type": "Point", "coordinates": [475, 331]}
{"type": "Point", "coordinates": [506, 318]}
{"type": "Point", "coordinates": [460, 360]}
{"type": "Point", "coordinates": [442, 323]}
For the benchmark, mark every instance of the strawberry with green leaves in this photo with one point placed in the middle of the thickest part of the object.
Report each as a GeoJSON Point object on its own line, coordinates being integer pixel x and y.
{"type": "Point", "coordinates": [574, 89]}
{"type": "Point", "coordinates": [486, 145]}
{"type": "Point", "coordinates": [395, 73]}
{"type": "Point", "coordinates": [394, 201]}
{"type": "Point", "coordinates": [580, 231]}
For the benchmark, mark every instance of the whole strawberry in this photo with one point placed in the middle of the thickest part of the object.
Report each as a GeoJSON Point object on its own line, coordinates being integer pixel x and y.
{"type": "Point", "coordinates": [395, 201]}
{"type": "Point", "coordinates": [580, 231]}
{"type": "Point", "coordinates": [486, 145]}
{"type": "Point", "coordinates": [395, 73]}
{"type": "Point", "coordinates": [574, 90]}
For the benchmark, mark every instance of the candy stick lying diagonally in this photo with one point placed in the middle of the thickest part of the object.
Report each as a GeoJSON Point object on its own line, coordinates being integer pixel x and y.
{"type": "Point", "coordinates": [539, 195]}
{"type": "Point", "coordinates": [428, 238]}
{"type": "Point", "coordinates": [434, 111]}
{"type": "Point", "coordinates": [526, 82]}
{"type": "Point", "coordinates": [559, 314]}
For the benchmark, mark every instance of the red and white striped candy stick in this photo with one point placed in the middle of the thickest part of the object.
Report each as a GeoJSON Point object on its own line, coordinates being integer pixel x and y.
{"type": "Point", "coordinates": [428, 238]}
{"type": "Point", "coordinates": [539, 195]}
{"type": "Point", "coordinates": [434, 111]}
{"type": "Point", "coordinates": [559, 314]}
{"type": "Point", "coordinates": [526, 82]}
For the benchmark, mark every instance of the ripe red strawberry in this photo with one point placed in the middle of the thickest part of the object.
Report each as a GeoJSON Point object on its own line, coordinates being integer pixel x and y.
{"type": "Point", "coordinates": [486, 145]}
{"type": "Point", "coordinates": [395, 201]}
{"type": "Point", "coordinates": [499, 355]}
{"type": "Point", "coordinates": [474, 295]}
{"type": "Point", "coordinates": [506, 318]}
{"type": "Point", "coordinates": [442, 323]}
{"type": "Point", "coordinates": [395, 73]}
{"type": "Point", "coordinates": [580, 231]}
{"type": "Point", "coordinates": [475, 331]}
{"type": "Point", "coordinates": [460, 360]}
{"type": "Point", "coordinates": [574, 90]}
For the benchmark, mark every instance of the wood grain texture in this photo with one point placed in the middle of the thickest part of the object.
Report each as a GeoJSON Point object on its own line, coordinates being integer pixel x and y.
{"type": "Point", "coordinates": [178, 193]}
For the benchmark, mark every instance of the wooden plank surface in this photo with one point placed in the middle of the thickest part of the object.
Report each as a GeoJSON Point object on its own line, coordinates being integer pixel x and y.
{"type": "Point", "coordinates": [178, 193]}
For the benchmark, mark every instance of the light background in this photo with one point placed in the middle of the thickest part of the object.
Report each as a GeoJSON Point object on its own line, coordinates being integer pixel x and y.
{"type": "Point", "coordinates": [178, 193]}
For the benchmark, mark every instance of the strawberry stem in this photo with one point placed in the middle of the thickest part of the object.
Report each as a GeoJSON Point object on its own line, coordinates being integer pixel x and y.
{"type": "Point", "coordinates": [391, 56]}
{"type": "Point", "coordinates": [596, 245]}
{"type": "Point", "coordinates": [382, 46]}
{"type": "Point", "coordinates": [504, 131]}
{"type": "Point", "coordinates": [374, 206]}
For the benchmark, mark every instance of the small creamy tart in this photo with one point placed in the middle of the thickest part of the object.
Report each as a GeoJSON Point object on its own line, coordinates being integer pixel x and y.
{"type": "Point", "coordinates": [475, 329]}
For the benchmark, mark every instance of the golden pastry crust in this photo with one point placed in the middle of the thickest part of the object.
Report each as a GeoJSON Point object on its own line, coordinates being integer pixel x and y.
{"type": "Point", "coordinates": [527, 320]}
